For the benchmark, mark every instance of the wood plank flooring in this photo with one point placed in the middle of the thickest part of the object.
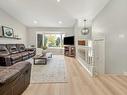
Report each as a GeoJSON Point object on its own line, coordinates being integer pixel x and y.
{"type": "Point", "coordinates": [80, 83]}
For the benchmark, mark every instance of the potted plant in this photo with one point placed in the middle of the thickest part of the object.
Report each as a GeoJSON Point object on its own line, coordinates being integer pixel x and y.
{"type": "Point", "coordinates": [44, 49]}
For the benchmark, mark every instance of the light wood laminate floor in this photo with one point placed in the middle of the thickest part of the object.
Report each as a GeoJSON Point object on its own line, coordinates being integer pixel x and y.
{"type": "Point", "coordinates": [80, 83]}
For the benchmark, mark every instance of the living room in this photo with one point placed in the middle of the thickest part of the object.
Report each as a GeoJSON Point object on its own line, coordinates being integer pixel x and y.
{"type": "Point", "coordinates": [63, 47]}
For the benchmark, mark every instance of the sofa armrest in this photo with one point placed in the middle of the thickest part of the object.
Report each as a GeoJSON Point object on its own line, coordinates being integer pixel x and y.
{"type": "Point", "coordinates": [5, 60]}
{"type": "Point", "coordinates": [8, 75]}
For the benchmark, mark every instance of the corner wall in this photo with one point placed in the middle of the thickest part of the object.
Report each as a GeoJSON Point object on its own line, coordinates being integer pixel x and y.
{"type": "Point", "coordinates": [19, 29]}
{"type": "Point", "coordinates": [111, 23]}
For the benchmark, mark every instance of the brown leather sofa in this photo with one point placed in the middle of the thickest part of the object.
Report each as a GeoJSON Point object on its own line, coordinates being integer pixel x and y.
{"type": "Point", "coordinates": [13, 53]}
{"type": "Point", "coordinates": [14, 79]}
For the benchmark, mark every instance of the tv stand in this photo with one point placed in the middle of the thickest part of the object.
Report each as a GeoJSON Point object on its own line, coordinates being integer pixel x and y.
{"type": "Point", "coordinates": [69, 50]}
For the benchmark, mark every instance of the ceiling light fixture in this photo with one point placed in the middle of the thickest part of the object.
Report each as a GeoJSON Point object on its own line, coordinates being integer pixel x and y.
{"type": "Point", "coordinates": [85, 30]}
{"type": "Point", "coordinates": [60, 22]}
{"type": "Point", "coordinates": [58, 1]}
{"type": "Point", "coordinates": [35, 22]}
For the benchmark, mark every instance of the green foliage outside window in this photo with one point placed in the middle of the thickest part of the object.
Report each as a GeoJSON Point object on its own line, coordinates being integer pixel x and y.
{"type": "Point", "coordinates": [52, 40]}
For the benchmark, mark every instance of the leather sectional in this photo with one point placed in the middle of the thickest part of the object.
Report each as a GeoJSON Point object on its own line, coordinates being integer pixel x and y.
{"type": "Point", "coordinates": [14, 70]}
{"type": "Point", "coordinates": [13, 53]}
{"type": "Point", "coordinates": [14, 79]}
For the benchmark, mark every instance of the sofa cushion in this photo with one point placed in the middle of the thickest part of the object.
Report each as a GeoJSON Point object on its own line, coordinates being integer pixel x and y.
{"type": "Point", "coordinates": [12, 48]}
{"type": "Point", "coordinates": [24, 53]}
{"type": "Point", "coordinates": [20, 47]}
{"type": "Point", "coordinates": [15, 56]}
{"type": "Point", "coordinates": [3, 50]}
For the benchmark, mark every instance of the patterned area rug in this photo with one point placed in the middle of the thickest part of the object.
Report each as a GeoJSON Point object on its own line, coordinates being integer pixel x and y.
{"type": "Point", "coordinates": [53, 72]}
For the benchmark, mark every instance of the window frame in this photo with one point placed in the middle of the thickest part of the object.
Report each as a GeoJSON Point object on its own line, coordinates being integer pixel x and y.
{"type": "Point", "coordinates": [43, 34]}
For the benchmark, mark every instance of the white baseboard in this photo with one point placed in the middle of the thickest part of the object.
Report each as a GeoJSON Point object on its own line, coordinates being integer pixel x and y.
{"type": "Point", "coordinates": [84, 67]}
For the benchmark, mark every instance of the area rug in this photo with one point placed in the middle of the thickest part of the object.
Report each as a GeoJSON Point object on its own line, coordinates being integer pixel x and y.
{"type": "Point", "coordinates": [54, 72]}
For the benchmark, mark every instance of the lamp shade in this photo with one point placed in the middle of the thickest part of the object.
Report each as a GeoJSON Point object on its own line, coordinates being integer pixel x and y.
{"type": "Point", "coordinates": [85, 30]}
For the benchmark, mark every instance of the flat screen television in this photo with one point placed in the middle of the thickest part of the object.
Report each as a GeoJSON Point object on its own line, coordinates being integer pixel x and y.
{"type": "Point", "coordinates": [69, 40]}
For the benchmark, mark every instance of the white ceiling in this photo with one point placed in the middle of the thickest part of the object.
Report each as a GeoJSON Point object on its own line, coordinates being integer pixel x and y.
{"type": "Point", "coordinates": [49, 12]}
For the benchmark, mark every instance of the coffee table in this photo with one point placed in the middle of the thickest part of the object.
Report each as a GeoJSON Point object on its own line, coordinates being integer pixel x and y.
{"type": "Point", "coordinates": [40, 57]}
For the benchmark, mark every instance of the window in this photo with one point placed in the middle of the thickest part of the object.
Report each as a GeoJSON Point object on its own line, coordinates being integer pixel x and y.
{"type": "Point", "coordinates": [50, 40]}
{"type": "Point", "coordinates": [39, 40]}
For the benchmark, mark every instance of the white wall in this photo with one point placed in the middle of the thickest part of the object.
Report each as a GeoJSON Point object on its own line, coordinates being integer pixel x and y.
{"type": "Point", "coordinates": [19, 29]}
{"type": "Point", "coordinates": [32, 33]}
{"type": "Point", "coordinates": [111, 23]}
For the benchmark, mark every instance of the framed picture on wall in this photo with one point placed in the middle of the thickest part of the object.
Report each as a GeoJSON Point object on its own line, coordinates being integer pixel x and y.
{"type": "Point", "coordinates": [7, 32]}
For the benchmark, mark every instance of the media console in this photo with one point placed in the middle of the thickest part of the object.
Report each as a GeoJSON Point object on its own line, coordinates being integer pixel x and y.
{"type": "Point", "coordinates": [69, 50]}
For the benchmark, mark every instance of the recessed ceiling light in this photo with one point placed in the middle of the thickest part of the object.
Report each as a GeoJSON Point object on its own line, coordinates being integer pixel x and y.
{"type": "Point", "coordinates": [58, 1]}
{"type": "Point", "coordinates": [35, 22]}
{"type": "Point", "coordinates": [60, 22]}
